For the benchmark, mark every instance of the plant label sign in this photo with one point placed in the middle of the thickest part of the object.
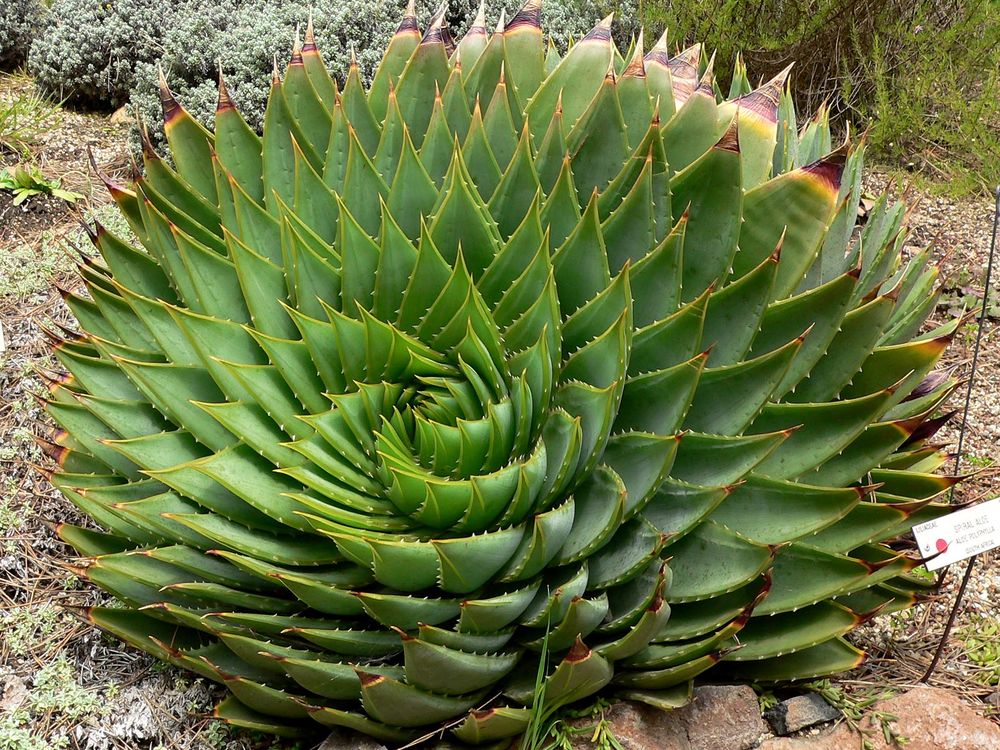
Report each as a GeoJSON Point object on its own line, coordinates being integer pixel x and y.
{"type": "Point", "coordinates": [959, 535]}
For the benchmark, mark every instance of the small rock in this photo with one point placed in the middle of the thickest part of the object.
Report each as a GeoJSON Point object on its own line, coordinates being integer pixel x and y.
{"type": "Point", "coordinates": [121, 116]}
{"type": "Point", "coordinates": [930, 719]}
{"type": "Point", "coordinates": [800, 712]}
{"type": "Point", "coordinates": [343, 739]}
{"type": "Point", "coordinates": [993, 699]}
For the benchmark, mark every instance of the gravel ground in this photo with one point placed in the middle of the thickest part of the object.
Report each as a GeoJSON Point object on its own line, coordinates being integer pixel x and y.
{"type": "Point", "coordinates": [62, 684]}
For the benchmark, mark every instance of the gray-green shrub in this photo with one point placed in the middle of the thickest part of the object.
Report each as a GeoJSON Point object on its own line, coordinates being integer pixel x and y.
{"type": "Point", "coordinates": [101, 54]}
{"type": "Point", "coordinates": [246, 35]}
{"type": "Point", "coordinates": [19, 19]}
{"type": "Point", "coordinates": [87, 51]}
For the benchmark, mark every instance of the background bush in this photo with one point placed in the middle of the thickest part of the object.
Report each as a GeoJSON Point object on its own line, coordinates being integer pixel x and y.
{"type": "Point", "coordinates": [924, 73]}
{"type": "Point", "coordinates": [87, 51]}
{"type": "Point", "coordinates": [18, 21]}
{"type": "Point", "coordinates": [101, 54]}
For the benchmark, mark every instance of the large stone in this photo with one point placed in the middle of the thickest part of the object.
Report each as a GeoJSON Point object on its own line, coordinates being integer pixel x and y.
{"type": "Point", "coordinates": [640, 727]}
{"type": "Point", "coordinates": [800, 712]}
{"type": "Point", "coordinates": [719, 717]}
{"type": "Point", "coordinates": [930, 718]}
{"type": "Point", "coordinates": [723, 716]}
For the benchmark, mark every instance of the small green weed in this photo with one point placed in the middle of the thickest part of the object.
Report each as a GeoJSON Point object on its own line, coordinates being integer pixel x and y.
{"type": "Point", "coordinates": [12, 520]}
{"type": "Point", "coordinates": [766, 699]}
{"type": "Point", "coordinates": [28, 181]}
{"type": "Point", "coordinates": [589, 722]}
{"type": "Point", "coordinates": [26, 627]}
{"type": "Point", "coordinates": [981, 638]}
{"type": "Point", "coordinates": [980, 462]}
{"type": "Point", "coordinates": [858, 706]}
{"type": "Point", "coordinates": [57, 690]}
{"type": "Point", "coordinates": [24, 118]}
{"type": "Point", "coordinates": [55, 694]}
{"type": "Point", "coordinates": [216, 734]}
{"type": "Point", "coordinates": [15, 736]}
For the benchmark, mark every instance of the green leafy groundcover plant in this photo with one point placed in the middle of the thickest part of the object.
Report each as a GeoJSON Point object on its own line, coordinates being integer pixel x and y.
{"type": "Point", "coordinates": [511, 358]}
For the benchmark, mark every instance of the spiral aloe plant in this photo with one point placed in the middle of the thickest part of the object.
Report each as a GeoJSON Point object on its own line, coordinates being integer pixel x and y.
{"type": "Point", "coordinates": [513, 367]}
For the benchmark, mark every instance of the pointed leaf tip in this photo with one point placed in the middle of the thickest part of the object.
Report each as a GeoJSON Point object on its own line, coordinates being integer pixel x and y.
{"type": "Point", "coordinates": [529, 16]}
{"type": "Point", "coordinates": [601, 32]}
{"type": "Point", "coordinates": [578, 652]}
{"type": "Point", "coordinates": [636, 67]}
{"type": "Point", "coordinates": [309, 44]}
{"type": "Point", "coordinates": [171, 108]}
{"type": "Point", "coordinates": [830, 168]}
{"type": "Point", "coordinates": [437, 29]}
{"type": "Point", "coordinates": [730, 140]}
{"type": "Point", "coordinates": [479, 22]}
{"type": "Point", "coordinates": [408, 23]}
{"type": "Point", "coordinates": [225, 100]}
{"type": "Point", "coordinates": [296, 58]}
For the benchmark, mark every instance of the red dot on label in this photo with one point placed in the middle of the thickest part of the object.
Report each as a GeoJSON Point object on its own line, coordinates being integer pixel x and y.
{"type": "Point", "coordinates": [941, 545]}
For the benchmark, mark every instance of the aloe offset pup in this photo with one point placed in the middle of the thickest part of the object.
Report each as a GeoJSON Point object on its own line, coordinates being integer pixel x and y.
{"type": "Point", "coordinates": [511, 354]}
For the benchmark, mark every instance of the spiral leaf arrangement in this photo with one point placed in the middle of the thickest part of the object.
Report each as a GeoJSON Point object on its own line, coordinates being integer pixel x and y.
{"type": "Point", "coordinates": [513, 370]}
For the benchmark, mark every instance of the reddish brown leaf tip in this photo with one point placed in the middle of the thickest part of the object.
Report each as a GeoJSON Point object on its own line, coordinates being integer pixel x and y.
{"type": "Point", "coordinates": [866, 489]}
{"type": "Point", "coordinates": [435, 33]}
{"type": "Point", "coordinates": [705, 82]}
{"type": "Point", "coordinates": [529, 16]}
{"type": "Point", "coordinates": [93, 233]}
{"type": "Point", "coordinates": [578, 652]}
{"type": "Point", "coordinates": [402, 633]}
{"type": "Point", "coordinates": [309, 41]}
{"type": "Point", "coordinates": [659, 54]}
{"type": "Point", "coordinates": [636, 67]}
{"type": "Point", "coordinates": [601, 33]}
{"type": "Point", "coordinates": [171, 108]}
{"type": "Point", "coordinates": [81, 613]}
{"type": "Point", "coordinates": [478, 26]}
{"type": "Point", "coordinates": [79, 571]}
{"type": "Point", "coordinates": [368, 679]}
{"type": "Point", "coordinates": [275, 73]}
{"type": "Point", "coordinates": [830, 169]}
{"type": "Point", "coordinates": [931, 382]}
{"type": "Point", "coordinates": [730, 140]}
{"type": "Point", "coordinates": [718, 656]}
{"type": "Point", "coordinates": [55, 452]}
{"type": "Point", "coordinates": [687, 59]}
{"type": "Point", "coordinates": [148, 151]}
{"type": "Point", "coordinates": [47, 474]}
{"type": "Point", "coordinates": [114, 188]}
{"type": "Point", "coordinates": [296, 58]}
{"type": "Point", "coordinates": [764, 101]}
{"type": "Point", "coordinates": [408, 25]}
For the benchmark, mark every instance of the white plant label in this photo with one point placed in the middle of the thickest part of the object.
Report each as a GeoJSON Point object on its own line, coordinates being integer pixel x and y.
{"type": "Point", "coordinates": [959, 535]}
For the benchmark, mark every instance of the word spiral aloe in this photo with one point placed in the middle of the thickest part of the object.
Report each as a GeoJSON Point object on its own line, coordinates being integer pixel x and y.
{"type": "Point", "coordinates": [513, 378]}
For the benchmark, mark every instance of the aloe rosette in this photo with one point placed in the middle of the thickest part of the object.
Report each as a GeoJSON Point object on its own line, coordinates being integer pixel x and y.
{"type": "Point", "coordinates": [513, 371]}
